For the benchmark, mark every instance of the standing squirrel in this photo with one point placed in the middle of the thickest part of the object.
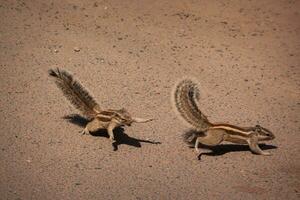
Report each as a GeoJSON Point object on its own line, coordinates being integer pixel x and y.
{"type": "Point", "coordinates": [186, 96]}
{"type": "Point", "coordinates": [81, 99]}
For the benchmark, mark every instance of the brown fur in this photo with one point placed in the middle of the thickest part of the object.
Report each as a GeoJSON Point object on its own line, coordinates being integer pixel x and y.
{"type": "Point", "coordinates": [79, 97]}
{"type": "Point", "coordinates": [186, 95]}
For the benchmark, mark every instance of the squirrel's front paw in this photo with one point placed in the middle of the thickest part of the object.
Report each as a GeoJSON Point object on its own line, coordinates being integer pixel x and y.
{"type": "Point", "coordinates": [112, 138]}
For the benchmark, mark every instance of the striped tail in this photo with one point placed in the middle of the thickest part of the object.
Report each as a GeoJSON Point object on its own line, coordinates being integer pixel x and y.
{"type": "Point", "coordinates": [191, 135]}
{"type": "Point", "coordinates": [75, 93]}
{"type": "Point", "coordinates": [186, 96]}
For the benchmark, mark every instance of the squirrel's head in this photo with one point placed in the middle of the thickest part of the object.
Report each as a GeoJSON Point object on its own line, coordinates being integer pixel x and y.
{"type": "Point", "coordinates": [263, 133]}
{"type": "Point", "coordinates": [124, 117]}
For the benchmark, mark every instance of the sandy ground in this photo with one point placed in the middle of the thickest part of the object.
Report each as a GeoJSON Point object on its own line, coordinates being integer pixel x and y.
{"type": "Point", "coordinates": [130, 54]}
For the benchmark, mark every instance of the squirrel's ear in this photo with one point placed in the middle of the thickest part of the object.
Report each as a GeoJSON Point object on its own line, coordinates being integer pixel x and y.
{"type": "Point", "coordinates": [123, 110]}
{"type": "Point", "coordinates": [257, 128]}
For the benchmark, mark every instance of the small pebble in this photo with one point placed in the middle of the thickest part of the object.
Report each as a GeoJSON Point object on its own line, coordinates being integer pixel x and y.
{"type": "Point", "coordinates": [76, 49]}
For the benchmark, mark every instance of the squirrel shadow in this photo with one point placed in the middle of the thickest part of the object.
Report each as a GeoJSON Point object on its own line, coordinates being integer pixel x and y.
{"type": "Point", "coordinates": [120, 136]}
{"type": "Point", "coordinates": [222, 149]}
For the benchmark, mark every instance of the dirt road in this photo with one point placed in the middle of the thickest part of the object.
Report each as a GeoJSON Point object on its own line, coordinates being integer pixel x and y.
{"type": "Point", "coordinates": [130, 54]}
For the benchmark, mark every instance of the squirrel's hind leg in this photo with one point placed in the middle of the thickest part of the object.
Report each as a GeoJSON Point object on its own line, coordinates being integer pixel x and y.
{"type": "Point", "coordinates": [92, 126]}
{"type": "Point", "coordinates": [211, 138]}
{"type": "Point", "coordinates": [85, 131]}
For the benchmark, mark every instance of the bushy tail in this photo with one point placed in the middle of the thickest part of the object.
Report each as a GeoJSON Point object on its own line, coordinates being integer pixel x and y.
{"type": "Point", "coordinates": [190, 136]}
{"type": "Point", "coordinates": [75, 92]}
{"type": "Point", "coordinates": [186, 96]}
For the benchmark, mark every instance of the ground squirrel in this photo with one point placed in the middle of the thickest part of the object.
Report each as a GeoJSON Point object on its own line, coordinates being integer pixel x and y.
{"type": "Point", "coordinates": [83, 101]}
{"type": "Point", "coordinates": [185, 98]}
